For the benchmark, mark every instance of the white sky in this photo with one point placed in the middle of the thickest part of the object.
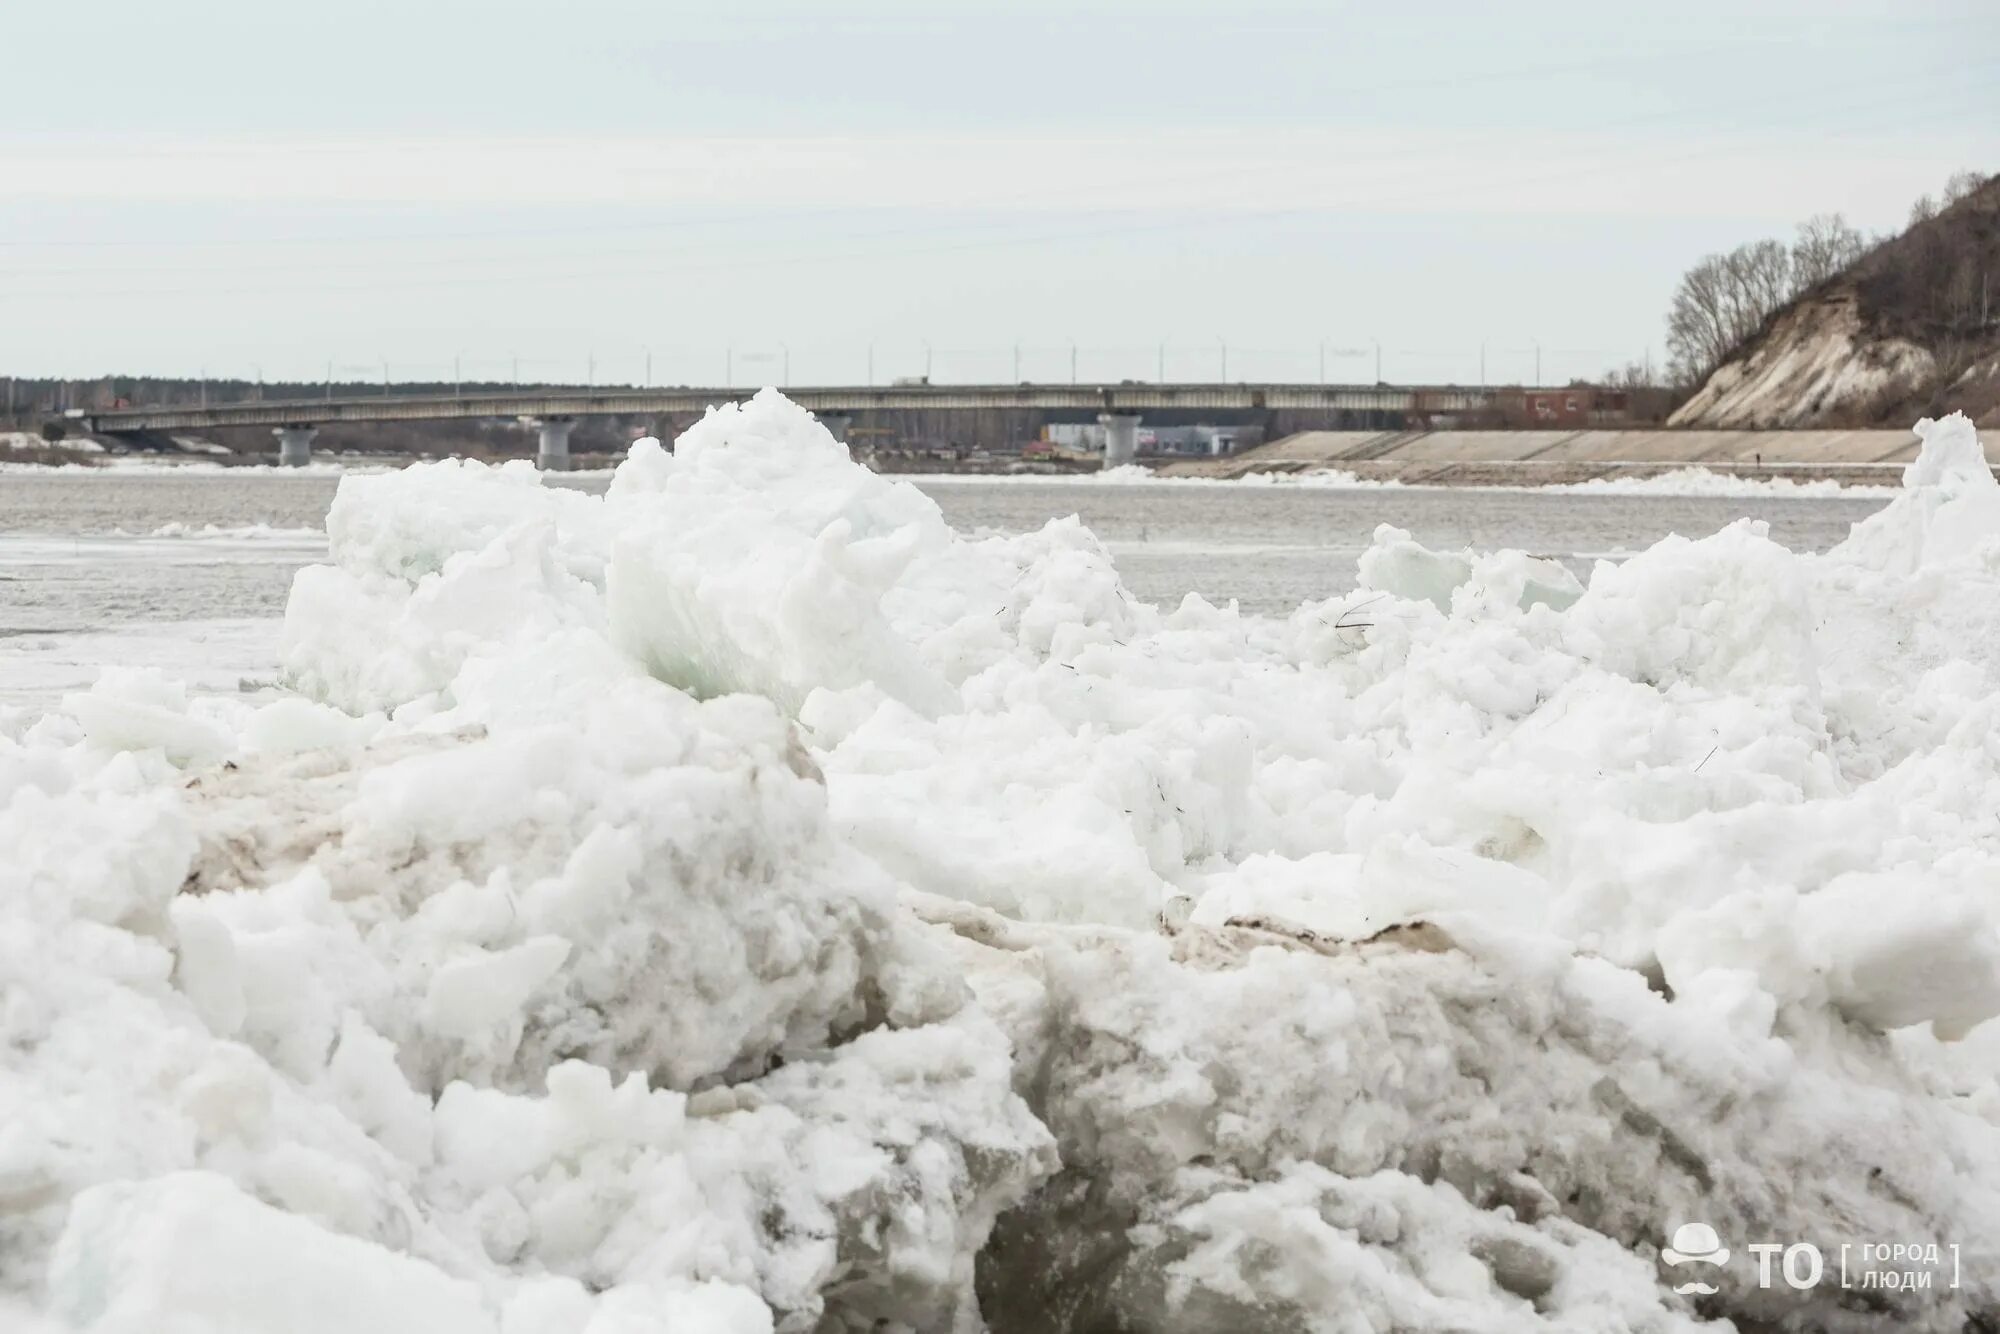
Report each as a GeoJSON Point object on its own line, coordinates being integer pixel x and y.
{"type": "Point", "coordinates": [242, 188]}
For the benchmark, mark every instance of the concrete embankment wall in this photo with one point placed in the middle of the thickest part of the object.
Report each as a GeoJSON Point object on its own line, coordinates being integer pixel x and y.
{"type": "Point", "coordinates": [1542, 457]}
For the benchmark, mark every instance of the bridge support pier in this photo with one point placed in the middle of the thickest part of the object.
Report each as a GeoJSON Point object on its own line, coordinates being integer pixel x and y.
{"type": "Point", "coordinates": [836, 424]}
{"type": "Point", "coordinates": [1121, 437]}
{"type": "Point", "coordinates": [553, 452]}
{"type": "Point", "coordinates": [295, 445]}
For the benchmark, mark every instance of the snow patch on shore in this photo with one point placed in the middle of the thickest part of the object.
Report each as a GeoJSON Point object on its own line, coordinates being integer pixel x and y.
{"type": "Point", "coordinates": [1704, 482]}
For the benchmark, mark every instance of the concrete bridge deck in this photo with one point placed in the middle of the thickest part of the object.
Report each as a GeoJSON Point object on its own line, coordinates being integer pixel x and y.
{"type": "Point", "coordinates": [1122, 398]}
{"type": "Point", "coordinates": [1437, 456]}
{"type": "Point", "coordinates": [1119, 406]}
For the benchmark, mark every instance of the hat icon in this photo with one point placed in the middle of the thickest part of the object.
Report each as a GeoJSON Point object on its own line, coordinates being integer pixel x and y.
{"type": "Point", "coordinates": [1695, 1243]}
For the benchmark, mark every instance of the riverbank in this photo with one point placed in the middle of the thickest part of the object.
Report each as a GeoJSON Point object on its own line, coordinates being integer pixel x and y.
{"type": "Point", "coordinates": [1511, 459]}
{"type": "Point", "coordinates": [1557, 458]}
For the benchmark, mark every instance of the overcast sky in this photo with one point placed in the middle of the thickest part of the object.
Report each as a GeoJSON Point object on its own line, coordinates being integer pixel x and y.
{"type": "Point", "coordinates": [241, 187]}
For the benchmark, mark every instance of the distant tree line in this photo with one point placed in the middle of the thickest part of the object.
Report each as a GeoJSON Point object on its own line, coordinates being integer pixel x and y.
{"type": "Point", "coordinates": [38, 404]}
{"type": "Point", "coordinates": [24, 396]}
{"type": "Point", "coordinates": [1723, 300]}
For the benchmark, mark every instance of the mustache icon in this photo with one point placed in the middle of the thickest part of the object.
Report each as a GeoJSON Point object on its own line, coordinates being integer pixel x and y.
{"type": "Point", "coordinates": [1689, 1289]}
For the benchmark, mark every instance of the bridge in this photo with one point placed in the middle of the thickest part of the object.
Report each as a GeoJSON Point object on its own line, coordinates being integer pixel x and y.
{"type": "Point", "coordinates": [1120, 407]}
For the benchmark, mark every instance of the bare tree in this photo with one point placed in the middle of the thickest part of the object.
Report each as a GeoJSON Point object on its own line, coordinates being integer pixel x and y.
{"type": "Point", "coordinates": [1697, 322]}
{"type": "Point", "coordinates": [1961, 184]}
{"type": "Point", "coordinates": [1763, 274]}
{"type": "Point", "coordinates": [1826, 246]}
{"type": "Point", "coordinates": [1632, 375]}
{"type": "Point", "coordinates": [1723, 300]}
{"type": "Point", "coordinates": [1923, 210]}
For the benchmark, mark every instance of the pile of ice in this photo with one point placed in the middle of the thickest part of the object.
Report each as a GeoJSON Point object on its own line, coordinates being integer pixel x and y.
{"type": "Point", "coordinates": [741, 903]}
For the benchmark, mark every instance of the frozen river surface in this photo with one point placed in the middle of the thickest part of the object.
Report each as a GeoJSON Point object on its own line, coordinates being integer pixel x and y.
{"type": "Point", "coordinates": [190, 572]}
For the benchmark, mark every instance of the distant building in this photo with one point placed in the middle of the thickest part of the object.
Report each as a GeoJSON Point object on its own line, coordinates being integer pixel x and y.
{"type": "Point", "coordinates": [1199, 441]}
{"type": "Point", "coordinates": [1578, 406]}
{"type": "Point", "coordinates": [1086, 437]}
{"type": "Point", "coordinates": [1159, 441]}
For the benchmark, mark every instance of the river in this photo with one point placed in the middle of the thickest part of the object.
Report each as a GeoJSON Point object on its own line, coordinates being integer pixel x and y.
{"type": "Point", "coordinates": [189, 571]}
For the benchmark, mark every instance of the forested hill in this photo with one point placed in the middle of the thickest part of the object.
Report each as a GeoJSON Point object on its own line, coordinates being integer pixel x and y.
{"type": "Point", "coordinates": [1910, 328]}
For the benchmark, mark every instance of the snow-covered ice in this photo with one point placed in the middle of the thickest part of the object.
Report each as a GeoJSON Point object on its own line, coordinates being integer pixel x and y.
{"type": "Point", "coordinates": [230, 654]}
{"type": "Point", "coordinates": [1699, 481]}
{"type": "Point", "coordinates": [1689, 481]}
{"type": "Point", "coordinates": [740, 903]}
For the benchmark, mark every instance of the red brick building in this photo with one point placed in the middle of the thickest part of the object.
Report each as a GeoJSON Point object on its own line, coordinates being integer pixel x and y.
{"type": "Point", "coordinates": [1577, 407]}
